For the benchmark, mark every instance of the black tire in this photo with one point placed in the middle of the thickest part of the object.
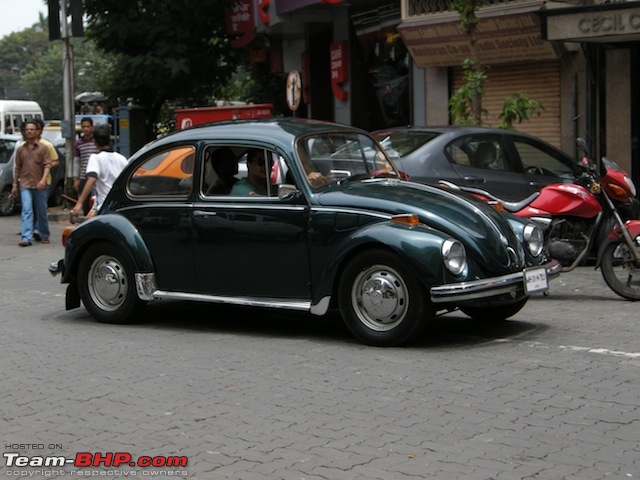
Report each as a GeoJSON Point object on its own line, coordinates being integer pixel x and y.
{"type": "Point", "coordinates": [381, 300]}
{"type": "Point", "coordinates": [107, 286]}
{"type": "Point", "coordinates": [496, 313]}
{"type": "Point", "coordinates": [7, 203]}
{"type": "Point", "coordinates": [619, 271]}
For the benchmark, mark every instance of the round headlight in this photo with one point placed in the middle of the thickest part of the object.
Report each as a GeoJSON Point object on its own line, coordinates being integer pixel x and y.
{"type": "Point", "coordinates": [534, 239]}
{"type": "Point", "coordinates": [454, 256]}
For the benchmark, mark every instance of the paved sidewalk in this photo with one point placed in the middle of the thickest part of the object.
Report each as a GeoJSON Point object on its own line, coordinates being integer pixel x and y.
{"type": "Point", "coordinates": [59, 214]}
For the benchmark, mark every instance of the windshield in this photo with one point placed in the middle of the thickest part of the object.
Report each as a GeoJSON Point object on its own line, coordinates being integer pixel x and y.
{"type": "Point", "coordinates": [403, 142]}
{"type": "Point", "coordinates": [333, 158]}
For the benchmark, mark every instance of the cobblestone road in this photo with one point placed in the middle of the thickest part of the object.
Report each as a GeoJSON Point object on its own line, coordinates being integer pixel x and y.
{"type": "Point", "coordinates": [249, 394]}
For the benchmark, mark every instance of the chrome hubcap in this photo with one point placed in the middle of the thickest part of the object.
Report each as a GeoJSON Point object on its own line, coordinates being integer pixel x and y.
{"type": "Point", "coordinates": [379, 298]}
{"type": "Point", "coordinates": [107, 283]}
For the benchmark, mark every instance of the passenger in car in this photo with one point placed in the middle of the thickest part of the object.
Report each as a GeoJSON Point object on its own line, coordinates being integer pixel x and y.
{"type": "Point", "coordinates": [225, 165]}
{"type": "Point", "coordinates": [485, 156]}
{"type": "Point", "coordinates": [255, 183]}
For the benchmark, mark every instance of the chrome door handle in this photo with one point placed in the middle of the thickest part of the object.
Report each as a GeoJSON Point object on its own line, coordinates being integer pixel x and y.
{"type": "Point", "coordinates": [204, 213]}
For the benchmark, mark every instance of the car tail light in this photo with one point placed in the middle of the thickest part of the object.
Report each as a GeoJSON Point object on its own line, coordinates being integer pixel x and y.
{"type": "Point", "coordinates": [65, 234]}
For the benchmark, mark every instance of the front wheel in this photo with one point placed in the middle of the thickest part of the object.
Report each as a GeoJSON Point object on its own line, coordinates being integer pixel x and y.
{"type": "Point", "coordinates": [381, 300]}
{"type": "Point", "coordinates": [620, 272]}
{"type": "Point", "coordinates": [495, 313]}
{"type": "Point", "coordinates": [107, 286]}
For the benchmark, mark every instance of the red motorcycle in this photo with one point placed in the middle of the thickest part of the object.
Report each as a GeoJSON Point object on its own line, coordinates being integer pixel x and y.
{"type": "Point", "coordinates": [595, 214]}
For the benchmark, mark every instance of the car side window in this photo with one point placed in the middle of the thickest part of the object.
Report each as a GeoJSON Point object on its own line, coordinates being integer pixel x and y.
{"type": "Point", "coordinates": [536, 161]}
{"type": "Point", "coordinates": [220, 166]}
{"type": "Point", "coordinates": [480, 152]}
{"type": "Point", "coordinates": [165, 174]}
{"type": "Point", "coordinates": [6, 150]}
{"type": "Point", "coordinates": [240, 171]}
{"type": "Point", "coordinates": [257, 174]}
{"type": "Point", "coordinates": [458, 154]}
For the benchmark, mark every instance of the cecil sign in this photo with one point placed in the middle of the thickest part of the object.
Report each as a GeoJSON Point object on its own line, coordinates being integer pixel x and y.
{"type": "Point", "coordinates": [594, 25]}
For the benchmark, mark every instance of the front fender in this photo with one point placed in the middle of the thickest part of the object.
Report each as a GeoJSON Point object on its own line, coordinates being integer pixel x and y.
{"type": "Point", "coordinates": [615, 235]}
{"type": "Point", "coordinates": [419, 246]}
{"type": "Point", "coordinates": [111, 228]}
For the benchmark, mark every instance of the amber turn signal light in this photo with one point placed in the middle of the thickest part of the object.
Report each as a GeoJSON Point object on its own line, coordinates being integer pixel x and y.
{"type": "Point", "coordinates": [407, 219]}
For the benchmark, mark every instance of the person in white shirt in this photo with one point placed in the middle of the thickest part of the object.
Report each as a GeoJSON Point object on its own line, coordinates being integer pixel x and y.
{"type": "Point", "coordinates": [102, 169]}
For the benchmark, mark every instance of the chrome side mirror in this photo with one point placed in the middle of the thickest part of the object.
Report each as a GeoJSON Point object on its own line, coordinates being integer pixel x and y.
{"type": "Point", "coordinates": [287, 191]}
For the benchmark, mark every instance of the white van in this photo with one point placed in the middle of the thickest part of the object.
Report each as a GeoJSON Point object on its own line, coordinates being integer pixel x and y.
{"type": "Point", "coordinates": [14, 112]}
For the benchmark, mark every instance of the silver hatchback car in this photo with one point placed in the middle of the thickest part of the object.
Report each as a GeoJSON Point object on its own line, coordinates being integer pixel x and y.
{"type": "Point", "coordinates": [7, 147]}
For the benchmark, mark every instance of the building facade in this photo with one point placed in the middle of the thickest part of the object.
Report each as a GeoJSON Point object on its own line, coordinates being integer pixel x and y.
{"type": "Point", "coordinates": [379, 63]}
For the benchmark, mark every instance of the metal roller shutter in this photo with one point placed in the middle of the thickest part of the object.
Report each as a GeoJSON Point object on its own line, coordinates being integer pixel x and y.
{"type": "Point", "coordinates": [540, 81]}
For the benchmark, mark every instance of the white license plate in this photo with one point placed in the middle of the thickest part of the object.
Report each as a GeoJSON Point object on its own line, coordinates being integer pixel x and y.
{"type": "Point", "coordinates": [535, 280]}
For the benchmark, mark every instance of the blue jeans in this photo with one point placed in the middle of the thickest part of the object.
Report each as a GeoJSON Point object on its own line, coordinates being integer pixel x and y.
{"type": "Point", "coordinates": [36, 227]}
{"type": "Point", "coordinates": [30, 198]}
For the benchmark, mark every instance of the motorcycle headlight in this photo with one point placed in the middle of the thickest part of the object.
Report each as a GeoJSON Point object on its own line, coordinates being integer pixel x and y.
{"type": "Point", "coordinates": [534, 238]}
{"type": "Point", "coordinates": [454, 256]}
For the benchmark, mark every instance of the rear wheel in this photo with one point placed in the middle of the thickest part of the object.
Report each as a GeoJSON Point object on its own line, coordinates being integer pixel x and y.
{"type": "Point", "coordinates": [620, 272]}
{"type": "Point", "coordinates": [381, 300]}
{"type": "Point", "coordinates": [107, 285]}
{"type": "Point", "coordinates": [7, 203]}
{"type": "Point", "coordinates": [495, 313]}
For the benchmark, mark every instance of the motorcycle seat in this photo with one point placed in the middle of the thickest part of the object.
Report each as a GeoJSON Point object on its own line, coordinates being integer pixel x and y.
{"type": "Point", "coordinates": [509, 206]}
{"type": "Point", "coordinates": [516, 206]}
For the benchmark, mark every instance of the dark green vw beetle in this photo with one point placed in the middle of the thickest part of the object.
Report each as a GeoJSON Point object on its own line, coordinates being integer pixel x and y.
{"type": "Point", "coordinates": [321, 220]}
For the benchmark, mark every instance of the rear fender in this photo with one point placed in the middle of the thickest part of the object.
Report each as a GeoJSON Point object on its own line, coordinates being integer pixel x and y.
{"type": "Point", "coordinates": [112, 228]}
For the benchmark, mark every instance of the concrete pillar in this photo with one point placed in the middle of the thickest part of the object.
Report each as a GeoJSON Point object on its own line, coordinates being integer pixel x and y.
{"type": "Point", "coordinates": [618, 107]}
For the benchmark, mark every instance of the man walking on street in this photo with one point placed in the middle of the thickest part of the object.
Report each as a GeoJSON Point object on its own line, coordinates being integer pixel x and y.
{"type": "Point", "coordinates": [32, 168]}
{"type": "Point", "coordinates": [102, 169]}
{"type": "Point", "coordinates": [84, 147]}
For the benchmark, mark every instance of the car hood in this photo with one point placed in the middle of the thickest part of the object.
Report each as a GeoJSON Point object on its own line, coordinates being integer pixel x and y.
{"type": "Point", "coordinates": [485, 233]}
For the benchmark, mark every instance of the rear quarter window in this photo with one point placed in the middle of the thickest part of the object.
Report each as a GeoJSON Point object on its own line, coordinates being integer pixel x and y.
{"type": "Point", "coordinates": [166, 174]}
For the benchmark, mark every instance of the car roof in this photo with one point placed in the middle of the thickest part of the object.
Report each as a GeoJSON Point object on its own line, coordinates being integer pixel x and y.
{"type": "Point", "coordinates": [457, 129]}
{"type": "Point", "coordinates": [278, 131]}
{"type": "Point", "coordinates": [10, 136]}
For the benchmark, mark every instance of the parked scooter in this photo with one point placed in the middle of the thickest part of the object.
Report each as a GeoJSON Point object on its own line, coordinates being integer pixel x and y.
{"type": "Point", "coordinates": [597, 213]}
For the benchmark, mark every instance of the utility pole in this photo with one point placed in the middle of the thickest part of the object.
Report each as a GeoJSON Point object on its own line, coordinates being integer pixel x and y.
{"type": "Point", "coordinates": [69, 121]}
{"type": "Point", "coordinates": [59, 30]}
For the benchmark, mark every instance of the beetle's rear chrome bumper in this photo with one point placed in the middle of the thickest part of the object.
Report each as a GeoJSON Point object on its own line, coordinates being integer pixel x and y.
{"type": "Point", "coordinates": [488, 287]}
{"type": "Point", "coordinates": [56, 267]}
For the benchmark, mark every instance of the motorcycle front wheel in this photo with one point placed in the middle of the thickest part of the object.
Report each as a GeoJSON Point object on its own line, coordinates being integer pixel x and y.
{"type": "Point", "coordinates": [620, 272]}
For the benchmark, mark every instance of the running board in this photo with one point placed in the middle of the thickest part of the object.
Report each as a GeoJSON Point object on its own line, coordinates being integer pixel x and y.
{"type": "Point", "coordinates": [245, 301]}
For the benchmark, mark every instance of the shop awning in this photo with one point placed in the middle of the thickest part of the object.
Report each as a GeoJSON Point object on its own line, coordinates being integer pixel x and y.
{"type": "Point", "coordinates": [503, 37]}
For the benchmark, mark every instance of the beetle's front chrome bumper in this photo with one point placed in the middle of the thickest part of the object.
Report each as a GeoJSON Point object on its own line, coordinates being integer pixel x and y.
{"type": "Point", "coordinates": [488, 287]}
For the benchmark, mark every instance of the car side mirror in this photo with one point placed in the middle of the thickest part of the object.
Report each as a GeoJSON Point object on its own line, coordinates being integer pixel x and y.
{"type": "Point", "coordinates": [287, 191]}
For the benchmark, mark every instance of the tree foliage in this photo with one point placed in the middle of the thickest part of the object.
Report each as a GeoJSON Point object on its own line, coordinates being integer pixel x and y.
{"type": "Point", "coordinates": [465, 103]}
{"type": "Point", "coordinates": [20, 53]}
{"type": "Point", "coordinates": [468, 99]}
{"type": "Point", "coordinates": [518, 107]}
{"type": "Point", "coordinates": [464, 98]}
{"type": "Point", "coordinates": [163, 50]}
{"type": "Point", "coordinates": [31, 62]}
{"type": "Point", "coordinates": [44, 82]}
